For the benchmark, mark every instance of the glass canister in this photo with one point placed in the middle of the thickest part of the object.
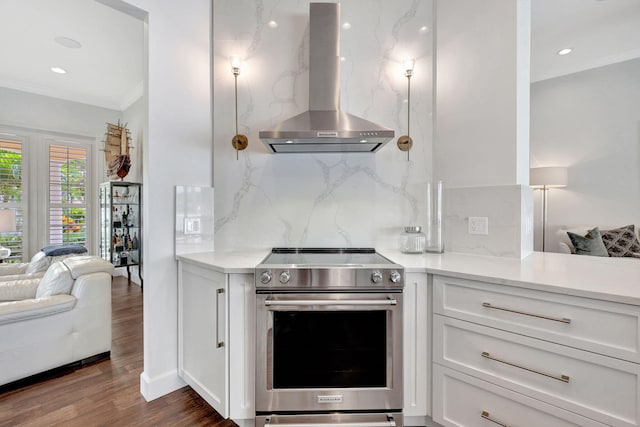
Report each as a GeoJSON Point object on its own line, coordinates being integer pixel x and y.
{"type": "Point", "coordinates": [413, 240]}
{"type": "Point", "coordinates": [435, 240]}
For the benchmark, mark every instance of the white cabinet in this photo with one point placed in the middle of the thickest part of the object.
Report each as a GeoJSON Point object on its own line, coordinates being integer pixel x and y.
{"type": "Point", "coordinates": [416, 340]}
{"type": "Point", "coordinates": [215, 337]}
{"type": "Point", "coordinates": [549, 352]}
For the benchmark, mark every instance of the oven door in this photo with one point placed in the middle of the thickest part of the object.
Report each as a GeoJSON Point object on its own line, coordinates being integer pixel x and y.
{"type": "Point", "coordinates": [328, 352]}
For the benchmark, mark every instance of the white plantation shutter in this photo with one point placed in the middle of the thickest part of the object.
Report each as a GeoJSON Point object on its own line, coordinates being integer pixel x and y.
{"type": "Point", "coordinates": [12, 193]}
{"type": "Point", "coordinates": [68, 193]}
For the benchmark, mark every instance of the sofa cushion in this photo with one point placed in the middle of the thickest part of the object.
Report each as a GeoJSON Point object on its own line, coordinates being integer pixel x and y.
{"type": "Point", "coordinates": [84, 264]}
{"type": "Point", "coordinates": [16, 311]}
{"type": "Point", "coordinates": [57, 280]}
{"type": "Point", "coordinates": [589, 244]}
{"type": "Point", "coordinates": [39, 262]}
{"type": "Point", "coordinates": [621, 241]}
{"type": "Point", "coordinates": [14, 290]}
{"type": "Point", "coordinates": [25, 276]}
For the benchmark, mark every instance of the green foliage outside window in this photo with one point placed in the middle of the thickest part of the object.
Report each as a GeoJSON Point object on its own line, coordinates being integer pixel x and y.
{"type": "Point", "coordinates": [10, 176]}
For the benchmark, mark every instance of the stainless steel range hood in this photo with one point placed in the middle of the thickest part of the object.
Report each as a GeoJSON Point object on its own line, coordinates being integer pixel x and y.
{"type": "Point", "coordinates": [324, 128]}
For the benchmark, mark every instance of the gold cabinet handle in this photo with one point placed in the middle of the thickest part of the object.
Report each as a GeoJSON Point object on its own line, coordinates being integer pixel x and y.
{"type": "Point", "coordinates": [540, 316]}
{"type": "Point", "coordinates": [486, 416]}
{"type": "Point", "coordinates": [563, 378]}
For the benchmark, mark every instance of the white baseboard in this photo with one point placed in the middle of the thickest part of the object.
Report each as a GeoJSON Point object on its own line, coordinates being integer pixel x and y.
{"type": "Point", "coordinates": [153, 388]}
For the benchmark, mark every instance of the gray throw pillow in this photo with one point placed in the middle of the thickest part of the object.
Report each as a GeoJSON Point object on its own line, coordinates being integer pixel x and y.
{"type": "Point", "coordinates": [589, 244]}
{"type": "Point", "coordinates": [621, 241]}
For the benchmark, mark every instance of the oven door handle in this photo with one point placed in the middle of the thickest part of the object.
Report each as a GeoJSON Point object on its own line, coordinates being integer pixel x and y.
{"type": "Point", "coordinates": [389, 423]}
{"type": "Point", "coordinates": [305, 303]}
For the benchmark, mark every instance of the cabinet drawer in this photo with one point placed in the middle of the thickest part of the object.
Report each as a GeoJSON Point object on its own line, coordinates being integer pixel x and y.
{"type": "Point", "coordinates": [600, 387]}
{"type": "Point", "coordinates": [599, 326]}
{"type": "Point", "coordinates": [461, 400]}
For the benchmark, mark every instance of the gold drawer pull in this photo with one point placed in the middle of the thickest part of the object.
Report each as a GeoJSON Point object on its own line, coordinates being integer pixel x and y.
{"type": "Point", "coordinates": [555, 319]}
{"type": "Point", "coordinates": [486, 416]}
{"type": "Point", "coordinates": [563, 378]}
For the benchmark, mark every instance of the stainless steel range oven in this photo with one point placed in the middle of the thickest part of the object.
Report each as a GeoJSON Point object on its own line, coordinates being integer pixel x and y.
{"type": "Point", "coordinates": [328, 338]}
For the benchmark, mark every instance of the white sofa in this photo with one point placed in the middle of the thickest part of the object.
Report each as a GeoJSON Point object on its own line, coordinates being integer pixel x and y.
{"type": "Point", "coordinates": [60, 319]}
{"type": "Point", "coordinates": [564, 243]}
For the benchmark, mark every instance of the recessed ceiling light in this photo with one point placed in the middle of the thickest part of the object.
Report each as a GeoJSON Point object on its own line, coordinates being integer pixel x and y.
{"type": "Point", "coordinates": [564, 51]}
{"type": "Point", "coordinates": [342, 59]}
{"type": "Point", "coordinates": [272, 24]}
{"type": "Point", "coordinates": [58, 70]}
{"type": "Point", "coordinates": [68, 42]}
{"type": "Point", "coordinates": [346, 26]}
{"type": "Point", "coordinates": [423, 30]}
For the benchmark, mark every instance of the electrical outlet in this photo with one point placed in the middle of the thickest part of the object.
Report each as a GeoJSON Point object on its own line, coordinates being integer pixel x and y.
{"type": "Point", "coordinates": [478, 225]}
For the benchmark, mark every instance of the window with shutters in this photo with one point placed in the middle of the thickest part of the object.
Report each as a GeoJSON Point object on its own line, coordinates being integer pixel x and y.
{"type": "Point", "coordinates": [11, 195]}
{"type": "Point", "coordinates": [68, 193]}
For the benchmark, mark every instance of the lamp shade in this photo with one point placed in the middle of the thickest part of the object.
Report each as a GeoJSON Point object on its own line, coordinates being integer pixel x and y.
{"type": "Point", "coordinates": [7, 220]}
{"type": "Point", "coordinates": [547, 177]}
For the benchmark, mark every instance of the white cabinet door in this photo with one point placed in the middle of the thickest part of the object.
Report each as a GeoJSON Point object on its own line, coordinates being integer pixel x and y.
{"type": "Point", "coordinates": [203, 357]}
{"type": "Point", "coordinates": [416, 357]}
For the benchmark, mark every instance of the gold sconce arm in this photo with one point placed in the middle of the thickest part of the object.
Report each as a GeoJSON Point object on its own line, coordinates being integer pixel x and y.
{"type": "Point", "coordinates": [239, 141]}
{"type": "Point", "coordinates": [405, 142]}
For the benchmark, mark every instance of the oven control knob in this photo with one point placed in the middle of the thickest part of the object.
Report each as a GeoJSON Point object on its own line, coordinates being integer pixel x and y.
{"type": "Point", "coordinates": [284, 277]}
{"type": "Point", "coordinates": [395, 277]}
{"type": "Point", "coordinates": [265, 277]}
{"type": "Point", "coordinates": [376, 277]}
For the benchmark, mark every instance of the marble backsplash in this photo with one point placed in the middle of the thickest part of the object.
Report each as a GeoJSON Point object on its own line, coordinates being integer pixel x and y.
{"type": "Point", "coordinates": [264, 200]}
{"type": "Point", "coordinates": [506, 207]}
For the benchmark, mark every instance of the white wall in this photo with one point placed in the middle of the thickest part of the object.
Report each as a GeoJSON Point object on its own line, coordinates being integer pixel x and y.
{"type": "Point", "coordinates": [135, 117]}
{"type": "Point", "coordinates": [481, 138]}
{"type": "Point", "coordinates": [356, 199]}
{"type": "Point", "coordinates": [33, 111]}
{"type": "Point", "coordinates": [590, 122]}
{"type": "Point", "coordinates": [177, 151]}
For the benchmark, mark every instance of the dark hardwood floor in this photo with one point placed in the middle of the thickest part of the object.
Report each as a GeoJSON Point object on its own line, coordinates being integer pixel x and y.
{"type": "Point", "coordinates": [107, 393]}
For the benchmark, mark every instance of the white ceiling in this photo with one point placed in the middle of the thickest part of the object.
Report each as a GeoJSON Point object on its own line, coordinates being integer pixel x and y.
{"type": "Point", "coordinates": [600, 32]}
{"type": "Point", "coordinates": [107, 70]}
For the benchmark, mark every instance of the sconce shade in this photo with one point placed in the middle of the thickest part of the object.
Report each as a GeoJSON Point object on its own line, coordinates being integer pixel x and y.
{"type": "Point", "coordinates": [236, 63]}
{"type": "Point", "coordinates": [409, 63]}
{"type": "Point", "coordinates": [7, 220]}
{"type": "Point", "coordinates": [548, 177]}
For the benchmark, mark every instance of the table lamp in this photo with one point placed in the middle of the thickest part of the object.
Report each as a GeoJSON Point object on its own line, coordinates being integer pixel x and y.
{"type": "Point", "coordinates": [7, 224]}
{"type": "Point", "coordinates": [545, 178]}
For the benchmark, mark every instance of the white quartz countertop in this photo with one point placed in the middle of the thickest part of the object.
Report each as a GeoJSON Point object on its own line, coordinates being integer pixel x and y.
{"type": "Point", "coordinates": [228, 262]}
{"type": "Point", "coordinates": [611, 279]}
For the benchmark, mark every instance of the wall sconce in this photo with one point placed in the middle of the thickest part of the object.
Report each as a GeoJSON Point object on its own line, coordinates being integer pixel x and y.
{"type": "Point", "coordinates": [405, 142]}
{"type": "Point", "coordinates": [544, 179]}
{"type": "Point", "coordinates": [239, 141]}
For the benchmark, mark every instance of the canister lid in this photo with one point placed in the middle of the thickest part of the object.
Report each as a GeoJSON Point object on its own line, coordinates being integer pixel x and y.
{"type": "Point", "coordinates": [413, 229]}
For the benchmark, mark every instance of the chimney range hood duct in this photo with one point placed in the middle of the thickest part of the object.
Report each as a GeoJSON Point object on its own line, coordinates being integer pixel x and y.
{"type": "Point", "coordinates": [324, 128]}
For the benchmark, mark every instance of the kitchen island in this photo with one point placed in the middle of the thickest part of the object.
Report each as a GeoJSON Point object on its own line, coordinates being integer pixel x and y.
{"type": "Point", "coordinates": [552, 336]}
